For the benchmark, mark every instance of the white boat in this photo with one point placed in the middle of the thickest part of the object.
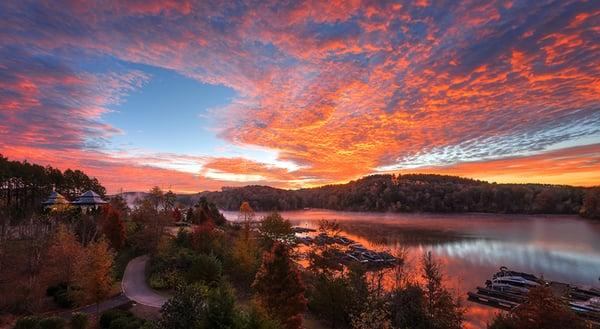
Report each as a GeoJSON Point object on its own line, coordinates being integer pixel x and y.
{"type": "Point", "coordinates": [512, 281]}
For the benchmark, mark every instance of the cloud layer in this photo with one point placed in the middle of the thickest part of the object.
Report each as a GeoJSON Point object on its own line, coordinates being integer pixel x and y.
{"type": "Point", "coordinates": [338, 89]}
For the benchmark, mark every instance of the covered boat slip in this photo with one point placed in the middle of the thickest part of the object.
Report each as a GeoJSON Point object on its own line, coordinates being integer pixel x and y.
{"type": "Point", "coordinates": [508, 289]}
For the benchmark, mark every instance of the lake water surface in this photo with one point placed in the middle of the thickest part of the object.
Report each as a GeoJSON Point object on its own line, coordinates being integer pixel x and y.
{"type": "Point", "coordinates": [471, 247]}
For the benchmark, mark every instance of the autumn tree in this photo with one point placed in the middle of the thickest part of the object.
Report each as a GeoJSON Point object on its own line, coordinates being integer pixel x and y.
{"type": "Point", "coordinates": [205, 211]}
{"type": "Point", "coordinates": [203, 237]}
{"type": "Point", "coordinates": [279, 287]}
{"type": "Point", "coordinates": [149, 221]}
{"type": "Point", "coordinates": [156, 198]}
{"type": "Point", "coordinates": [325, 257]}
{"type": "Point", "coordinates": [120, 205]}
{"type": "Point", "coordinates": [63, 255]}
{"type": "Point", "coordinates": [189, 215]}
{"type": "Point", "coordinates": [113, 227]}
{"type": "Point", "coordinates": [177, 215]}
{"type": "Point", "coordinates": [542, 310]}
{"type": "Point", "coordinates": [374, 315]}
{"type": "Point", "coordinates": [246, 212]}
{"type": "Point", "coordinates": [169, 201]}
{"type": "Point", "coordinates": [591, 203]}
{"type": "Point", "coordinates": [274, 228]}
{"type": "Point", "coordinates": [22, 275]}
{"type": "Point", "coordinates": [245, 255]}
{"type": "Point", "coordinates": [94, 272]}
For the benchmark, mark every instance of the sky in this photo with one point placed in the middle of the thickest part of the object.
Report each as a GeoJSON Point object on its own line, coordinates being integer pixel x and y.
{"type": "Point", "coordinates": [194, 95]}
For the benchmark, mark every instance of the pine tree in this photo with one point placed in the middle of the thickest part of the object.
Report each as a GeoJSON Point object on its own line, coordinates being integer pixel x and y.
{"type": "Point", "coordinates": [444, 310]}
{"type": "Point", "coordinates": [279, 287]}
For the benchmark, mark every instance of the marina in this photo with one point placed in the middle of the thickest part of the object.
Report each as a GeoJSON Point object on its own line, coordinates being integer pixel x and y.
{"type": "Point", "coordinates": [507, 289]}
{"type": "Point", "coordinates": [350, 251]}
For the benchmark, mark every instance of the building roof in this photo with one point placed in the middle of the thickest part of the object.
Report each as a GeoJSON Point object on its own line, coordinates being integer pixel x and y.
{"type": "Point", "coordinates": [89, 198]}
{"type": "Point", "coordinates": [55, 198]}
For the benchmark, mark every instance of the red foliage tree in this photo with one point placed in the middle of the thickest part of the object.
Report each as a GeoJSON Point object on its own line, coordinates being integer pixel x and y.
{"type": "Point", "coordinates": [177, 215]}
{"type": "Point", "coordinates": [544, 310]}
{"type": "Point", "coordinates": [279, 287]}
{"type": "Point", "coordinates": [113, 227]}
{"type": "Point", "coordinates": [203, 237]}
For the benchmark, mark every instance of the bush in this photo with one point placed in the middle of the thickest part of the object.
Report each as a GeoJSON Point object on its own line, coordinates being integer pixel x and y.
{"type": "Point", "coordinates": [79, 320]}
{"type": "Point", "coordinates": [63, 299]}
{"type": "Point", "coordinates": [53, 322]}
{"type": "Point", "coordinates": [255, 318]}
{"type": "Point", "coordinates": [109, 316]}
{"type": "Point", "coordinates": [52, 290]}
{"type": "Point", "coordinates": [127, 322]}
{"type": "Point", "coordinates": [61, 295]}
{"type": "Point", "coordinates": [205, 268]}
{"type": "Point", "coordinates": [27, 322]}
{"type": "Point", "coordinates": [157, 281]}
{"type": "Point", "coordinates": [220, 310]}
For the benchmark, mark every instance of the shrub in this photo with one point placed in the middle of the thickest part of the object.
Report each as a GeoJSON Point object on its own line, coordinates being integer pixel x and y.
{"type": "Point", "coordinates": [27, 322]}
{"type": "Point", "coordinates": [79, 320]}
{"type": "Point", "coordinates": [157, 281]}
{"type": "Point", "coordinates": [255, 318]}
{"type": "Point", "coordinates": [126, 322]}
{"type": "Point", "coordinates": [205, 268]}
{"type": "Point", "coordinates": [63, 299]}
{"type": "Point", "coordinates": [109, 316]}
{"type": "Point", "coordinates": [53, 322]}
{"type": "Point", "coordinates": [52, 290]}
{"type": "Point", "coordinates": [61, 294]}
{"type": "Point", "coordinates": [220, 310]}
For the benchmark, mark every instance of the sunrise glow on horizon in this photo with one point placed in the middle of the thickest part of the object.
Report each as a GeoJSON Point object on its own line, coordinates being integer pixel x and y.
{"type": "Point", "coordinates": [193, 96]}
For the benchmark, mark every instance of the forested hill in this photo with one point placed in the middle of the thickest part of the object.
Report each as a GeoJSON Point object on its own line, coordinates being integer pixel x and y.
{"type": "Point", "coordinates": [410, 193]}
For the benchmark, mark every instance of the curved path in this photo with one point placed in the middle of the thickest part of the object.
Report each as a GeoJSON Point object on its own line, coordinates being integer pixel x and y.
{"type": "Point", "coordinates": [134, 284]}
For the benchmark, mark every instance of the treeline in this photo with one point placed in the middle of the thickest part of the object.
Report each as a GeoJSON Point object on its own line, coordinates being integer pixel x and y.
{"type": "Point", "coordinates": [24, 186]}
{"type": "Point", "coordinates": [411, 193]}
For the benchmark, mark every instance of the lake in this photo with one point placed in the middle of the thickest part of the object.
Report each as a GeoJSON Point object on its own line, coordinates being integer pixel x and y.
{"type": "Point", "coordinates": [471, 247]}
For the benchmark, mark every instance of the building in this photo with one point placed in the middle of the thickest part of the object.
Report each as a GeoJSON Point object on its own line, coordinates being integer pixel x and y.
{"type": "Point", "coordinates": [88, 200]}
{"type": "Point", "coordinates": [56, 201]}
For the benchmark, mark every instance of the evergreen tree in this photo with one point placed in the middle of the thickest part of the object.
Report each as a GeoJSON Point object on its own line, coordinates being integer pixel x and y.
{"type": "Point", "coordinates": [444, 310]}
{"type": "Point", "coordinates": [279, 287]}
{"type": "Point", "coordinates": [184, 310]}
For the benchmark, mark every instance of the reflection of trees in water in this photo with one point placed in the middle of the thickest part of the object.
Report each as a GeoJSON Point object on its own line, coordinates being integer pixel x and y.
{"type": "Point", "coordinates": [392, 235]}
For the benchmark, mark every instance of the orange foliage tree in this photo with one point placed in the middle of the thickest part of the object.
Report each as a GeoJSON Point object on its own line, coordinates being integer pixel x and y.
{"type": "Point", "coordinates": [279, 288]}
{"type": "Point", "coordinates": [63, 255]}
{"type": "Point", "coordinates": [94, 272]}
{"type": "Point", "coordinates": [246, 212]}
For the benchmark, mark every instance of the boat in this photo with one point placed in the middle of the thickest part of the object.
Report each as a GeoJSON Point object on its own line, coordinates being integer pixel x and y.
{"type": "Point", "coordinates": [505, 272]}
{"type": "Point", "coordinates": [508, 289]}
{"type": "Point", "coordinates": [513, 282]}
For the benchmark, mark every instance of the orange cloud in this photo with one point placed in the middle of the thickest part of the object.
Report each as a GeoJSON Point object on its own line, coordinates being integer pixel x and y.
{"type": "Point", "coordinates": [575, 165]}
{"type": "Point", "coordinates": [341, 89]}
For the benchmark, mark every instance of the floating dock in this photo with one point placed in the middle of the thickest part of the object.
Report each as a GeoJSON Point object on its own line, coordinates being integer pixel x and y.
{"type": "Point", "coordinates": [507, 289]}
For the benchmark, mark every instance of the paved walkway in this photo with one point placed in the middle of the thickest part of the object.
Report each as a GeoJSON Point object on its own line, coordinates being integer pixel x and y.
{"type": "Point", "coordinates": [135, 287]}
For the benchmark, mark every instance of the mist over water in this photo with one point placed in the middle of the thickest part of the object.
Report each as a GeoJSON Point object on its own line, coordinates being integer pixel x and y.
{"type": "Point", "coordinates": [473, 246]}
